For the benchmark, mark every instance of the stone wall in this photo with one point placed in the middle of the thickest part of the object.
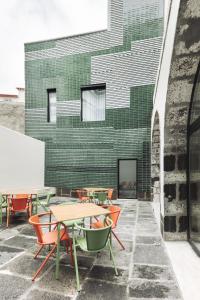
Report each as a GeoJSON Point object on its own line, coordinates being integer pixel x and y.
{"type": "Point", "coordinates": [183, 68]}
{"type": "Point", "coordinates": [12, 115]}
{"type": "Point", "coordinates": [155, 160]}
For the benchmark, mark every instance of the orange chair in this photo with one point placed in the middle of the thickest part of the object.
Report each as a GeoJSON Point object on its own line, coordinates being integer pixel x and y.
{"type": "Point", "coordinates": [82, 195]}
{"type": "Point", "coordinates": [49, 238]}
{"type": "Point", "coordinates": [18, 203]}
{"type": "Point", "coordinates": [109, 197]}
{"type": "Point", "coordinates": [114, 216]}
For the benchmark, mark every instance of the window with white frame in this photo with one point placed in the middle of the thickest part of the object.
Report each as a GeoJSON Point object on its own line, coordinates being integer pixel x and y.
{"type": "Point", "coordinates": [93, 102]}
{"type": "Point", "coordinates": [51, 113]}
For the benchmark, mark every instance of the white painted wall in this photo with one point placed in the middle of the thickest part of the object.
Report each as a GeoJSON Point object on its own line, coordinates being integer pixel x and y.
{"type": "Point", "coordinates": [21, 160]}
{"type": "Point", "coordinates": [160, 94]}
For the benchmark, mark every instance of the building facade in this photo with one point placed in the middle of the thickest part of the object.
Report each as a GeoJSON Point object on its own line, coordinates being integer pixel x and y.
{"type": "Point", "coordinates": [89, 98]}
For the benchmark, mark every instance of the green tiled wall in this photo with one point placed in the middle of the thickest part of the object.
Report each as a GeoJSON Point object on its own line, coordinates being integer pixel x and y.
{"type": "Point", "coordinates": [79, 153]}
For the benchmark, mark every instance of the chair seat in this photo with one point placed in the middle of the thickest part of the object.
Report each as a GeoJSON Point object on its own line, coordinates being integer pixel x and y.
{"type": "Point", "coordinates": [71, 223]}
{"type": "Point", "coordinates": [52, 236]}
{"type": "Point", "coordinates": [19, 210]}
{"type": "Point", "coordinates": [97, 224]}
{"type": "Point", "coordinates": [84, 198]}
{"type": "Point", "coordinates": [100, 224]}
{"type": "Point", "coordinates": [82, 243]}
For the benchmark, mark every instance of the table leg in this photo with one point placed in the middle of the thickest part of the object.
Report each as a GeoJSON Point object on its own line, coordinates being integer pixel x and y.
{"type": "Point", "coordinates": [58, 252]}
{"type": "Point", "coordinates": [75, 261]}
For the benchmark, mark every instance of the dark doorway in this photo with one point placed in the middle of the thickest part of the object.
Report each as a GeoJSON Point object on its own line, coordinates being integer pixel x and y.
{"type": "Point", "coordinates": [193, 170]}
{"type": "Point", "coordinates": [127, 178]}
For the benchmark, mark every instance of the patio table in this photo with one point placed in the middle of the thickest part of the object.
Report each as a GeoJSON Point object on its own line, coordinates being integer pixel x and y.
{"type": "Point", "coordinates": [73, 212]}
{"type": "Point", "coordinates": [95, 189]}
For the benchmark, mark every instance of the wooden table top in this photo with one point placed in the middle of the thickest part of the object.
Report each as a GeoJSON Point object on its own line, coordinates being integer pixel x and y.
{"type": "Point", "coordinates": [95, 189]}
{"type": "Point", "coordinates": [77, 211]}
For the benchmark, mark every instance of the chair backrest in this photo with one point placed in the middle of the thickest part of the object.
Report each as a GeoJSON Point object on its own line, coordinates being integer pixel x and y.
{"type": "Point", "coordinates": [45, 197]}
{"type": "Point", "coordinates": [97, 238]}
{"type": "Point", "coordinates": [102, 197]}
{"type": "Point", "coordinates": [20, 196]}
{"type": "Point", "coordinates": [48, 198]}
{"type": "Point", "coordinates": [1, 198]}
{"type": "Point", "coordinates": [110, 193]}
{"type": "Point", "coordinates": [19, 203]}
{"type": "Point", "coordinates": [81, 194]}
{"type": "Point", "coordinates": [35, 221]}
{"type": "Point", "coordinates": [38, 225]}
{"type": "Point", "coordinates": [115, 212]}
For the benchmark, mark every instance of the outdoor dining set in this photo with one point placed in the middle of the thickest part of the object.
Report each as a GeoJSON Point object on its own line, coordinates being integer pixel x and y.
{"type": "Point", "coordinates": [86, 223]}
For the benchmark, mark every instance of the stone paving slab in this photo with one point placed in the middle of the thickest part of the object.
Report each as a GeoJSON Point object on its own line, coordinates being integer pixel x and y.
{"type": "Point", "coordinates": [122, 259]}
{"type": "Point", "coordinates": [150, 289]}
{"type": "Point", "coordinates": [25, 265]}
{"type": "Point", "coordinates": [37, 294]}
{"type": "Point", "coordinates": [27, 230]}
{"type": "Point", "coordinates": [98, 290]}
{"type": "Point", "coordinates": [12, 287]}
{"type": "Point", "coordinates": [148, 240]}
{"type": "Point", "coordinates": [67, 280]}
{"type": "Point", "coordinates": [83, 261]}
{"type": "Point", "coordinates": [144, 268]}
{"type": "Point", "coordinates": [8, 253]}
{"type": "Point", "coordinates": [152, 272]}
{"type": "Point", "coordinates": [108, 274]}
{"type": "Point", "coordinates": [151, 254]}
{"type": "Point", "coordinates": [20, 242]}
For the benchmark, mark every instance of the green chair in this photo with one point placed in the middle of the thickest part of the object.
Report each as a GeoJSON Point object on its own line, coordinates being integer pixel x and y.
{"type": "Point", "coordinates": [3, 204]}
{"type": "Point", "coordinates": [42, 200]}
{"type": "Point", "coordinates": [94, 240]}
{"type": "Point", "coordinates": [102, 198]}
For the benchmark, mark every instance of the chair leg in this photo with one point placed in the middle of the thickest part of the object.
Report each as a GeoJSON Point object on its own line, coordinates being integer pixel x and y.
{"type": "Point", "coordinates": [112, 256]}
{"type": "Point", "coordinates": [118, 240]}
{"type": "Point", "coordinates": [30, 209]}
{"type": "Point", "coordinates": [71, 253]}
{"type": "Point", "coordinates": [44, 262]}
{"type": "Point", "coordinates": [1, 214]}
{"type": "Point", "coordinates": [38, 252]}
{"type": "Point", "coordinates": [76, 265]}
{"type": "Point", "coordinates": [8, 216]}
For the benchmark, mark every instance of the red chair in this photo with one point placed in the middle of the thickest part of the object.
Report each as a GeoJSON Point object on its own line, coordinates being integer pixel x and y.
{"type": "Point", "coordinates": [82, 195]}
{"type": "Point", "coordinates": [49, 238]}
{"type": "Point", "coordinates": [18, 203]}
{"type": "Point", "coordinates": [114, 216]}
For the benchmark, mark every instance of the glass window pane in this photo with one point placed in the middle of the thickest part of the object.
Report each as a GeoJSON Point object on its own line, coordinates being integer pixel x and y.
{"type": "Point", "coordinates": [93, 105]}
{"type": "Point", "coordinates": [127, 179]}
{"type": "Point", "coordinates": [52, 106]}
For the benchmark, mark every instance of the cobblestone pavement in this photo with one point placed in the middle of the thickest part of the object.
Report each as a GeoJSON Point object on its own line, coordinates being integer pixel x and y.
{"type": "Point", "coordinates": [144, 268]}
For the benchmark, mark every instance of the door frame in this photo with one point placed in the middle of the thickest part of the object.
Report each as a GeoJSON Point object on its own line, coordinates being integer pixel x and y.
{"type": "Point", "coordinates": [118, 160]}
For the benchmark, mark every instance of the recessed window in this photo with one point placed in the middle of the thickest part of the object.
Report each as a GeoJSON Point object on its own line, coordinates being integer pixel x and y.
{"type": "Point", "coordinates": [93, 102]}
{"type": "Point", "coordinates": [51, 114]}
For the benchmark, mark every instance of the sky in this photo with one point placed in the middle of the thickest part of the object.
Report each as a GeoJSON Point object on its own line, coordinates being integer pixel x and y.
{"type": "Point", "coordinates": [24, 21]}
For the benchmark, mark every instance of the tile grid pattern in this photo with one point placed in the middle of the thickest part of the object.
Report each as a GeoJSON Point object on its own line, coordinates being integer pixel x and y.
{"type": "Point", "coordinates": [86, 153]}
